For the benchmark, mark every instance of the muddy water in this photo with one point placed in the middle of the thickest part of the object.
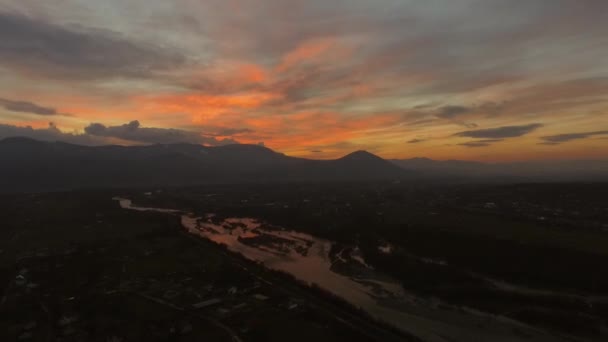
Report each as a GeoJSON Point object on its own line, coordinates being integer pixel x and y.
{"type": "Point", "coordinates": [301, 255]}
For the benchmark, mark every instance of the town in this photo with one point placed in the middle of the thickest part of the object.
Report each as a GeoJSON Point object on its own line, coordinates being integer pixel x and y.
{"type": "Point", "coordinates": [110, 275]}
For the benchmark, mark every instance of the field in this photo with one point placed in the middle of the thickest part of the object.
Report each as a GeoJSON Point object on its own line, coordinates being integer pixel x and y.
{"type": "Point", "coordinates": [77, 267]}
{"type": "Point", "coordinates": [533, 253]}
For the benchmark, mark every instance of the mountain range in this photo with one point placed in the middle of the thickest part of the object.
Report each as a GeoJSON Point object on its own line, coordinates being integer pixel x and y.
{"type": "Point", "coordinates": [31, 165]}
{"type": "Point", "coordinates": [513, 172]}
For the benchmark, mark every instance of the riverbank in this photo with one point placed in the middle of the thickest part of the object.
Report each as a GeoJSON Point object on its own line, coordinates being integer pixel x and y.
{"type": "Point", "coordinates": [418, 319]}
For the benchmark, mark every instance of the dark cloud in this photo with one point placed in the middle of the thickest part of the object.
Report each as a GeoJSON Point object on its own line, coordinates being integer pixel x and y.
{"type": "Point", "coordinates": [492, 108]}
{"type": "Point", "coordinates": [453, 113]}
{"type": "Point", "coordinates": [424, 106]}
{"type": "Point", "coordinates": [500, 132]}
{"type": "Point", "coordinates": [415, 141]}
{"type": "Point", "coordinates": [51, 133]}
{"type": "Point", "coordinates": [96, 129]}
{"type": "Point", "coordinates": [35, 47]}
{"type": "Point", "coordinates": [226, 132]}
{"type": "Point", "coordinates": [474, 144]}
{"type": "Point", "coordinates": [317, 151]}
{"type": "Point", "coordinates": [27, 107]}
{"type": "Point", "coordinates": [450, 112]}
{"type": "Point", "coordinates": [480, 143]}
{"type": "Point", "coordinates": [484, 109]}
{"type": "Point", "coordinates": [561, 138]}
{"type": "Point", "coordinates": [133, 131]}
{"type": "Point", "coordinates": [99, 134]}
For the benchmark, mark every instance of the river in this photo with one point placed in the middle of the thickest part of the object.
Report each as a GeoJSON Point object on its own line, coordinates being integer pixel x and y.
{"type": "Point", "coordinates": [348, 276]}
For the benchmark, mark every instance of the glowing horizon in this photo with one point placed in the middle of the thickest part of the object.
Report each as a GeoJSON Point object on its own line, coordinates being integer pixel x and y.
{"type": "Point", "coordinates": [463, 79]}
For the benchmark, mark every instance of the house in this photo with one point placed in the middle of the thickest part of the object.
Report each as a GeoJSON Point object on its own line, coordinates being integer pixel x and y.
{"type": "Point", "coordinates": [490, 205]}
{"type": "Point", "coordinates": [26, 336]}
{"type": "Point", "coordinates": [186, 329]}
{"type": "Point", "coordinates": [29, 326]}
{"type": "Point", "coordinates": [170, 294]}
{"type": "Point", "coordinates": [260, 297]}
{"type": "Point", "coordinates": [207, 303]}
{"type": "Point", "coordinates": [67, 320]}
{"type": "Point", "coordinates": [240, 306]}
{"type": "Point", "coordinates": [20, 280]}
{"type": "Point", "coordinates": [223, 311]}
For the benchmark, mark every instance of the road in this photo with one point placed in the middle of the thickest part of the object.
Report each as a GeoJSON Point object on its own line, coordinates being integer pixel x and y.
{"type": "Point", "coordinates": [212, 321]}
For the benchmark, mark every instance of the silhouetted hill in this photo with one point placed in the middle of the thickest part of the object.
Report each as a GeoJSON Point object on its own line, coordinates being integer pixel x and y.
{"type": "Point", "coordinates": [362, 156]}
{"type": "Point", "coordinates": [30, 165]}
{"type": "Point", "coordinates": [532, 171]}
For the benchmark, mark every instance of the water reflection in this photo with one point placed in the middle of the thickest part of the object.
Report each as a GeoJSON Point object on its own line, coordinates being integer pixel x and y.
{"type": "Point", "coordinates": [304, 256]}
{"type": "Point", "coordinates": [347, 275]}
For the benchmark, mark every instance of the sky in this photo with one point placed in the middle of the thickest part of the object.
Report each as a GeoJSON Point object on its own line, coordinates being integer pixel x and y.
{"type": "Point", "coordinates": [487, 80]}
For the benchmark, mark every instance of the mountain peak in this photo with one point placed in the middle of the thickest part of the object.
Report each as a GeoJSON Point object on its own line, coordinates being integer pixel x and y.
{"type": "Point", "coordinates": [245, 147]}
{"type": "Point", "coordinates": [360, 155]}
{"type": "Point", "coordinates": [19, 140]}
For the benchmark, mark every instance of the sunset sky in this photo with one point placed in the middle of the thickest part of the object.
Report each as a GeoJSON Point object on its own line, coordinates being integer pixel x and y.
{"type": "Point", "coordinates": [489, 80]}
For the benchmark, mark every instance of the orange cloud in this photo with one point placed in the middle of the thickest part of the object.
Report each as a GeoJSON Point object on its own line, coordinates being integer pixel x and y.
{"type": "Point", "coordinates": [307, 51]}
{"type": "Point", "coordinates": [308, 129]}
{"type": "Point", "coordinates": [253, 73]}
{"type": "Point", "coordinates": [205, 107]}
{"type": "Point", "coordinates": [36, 124]}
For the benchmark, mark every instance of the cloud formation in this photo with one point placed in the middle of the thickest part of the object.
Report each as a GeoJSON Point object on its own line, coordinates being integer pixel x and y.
{"type": "Point", "coordinates": [562, 138]}
{"type": "Point", "coordinates": [99, 134]}
{"type": "Point", "coordinates": [450, 112]}
{"type": "Point", "coordinates": [35, 47]}
{"type": "Point", "coordinates": [28, 107]}
{"type": "Point", "coordinates": [50, 133]}
{"type": "Point", "coordinates": [415, 141]}
{"type": "Point", "coordinates": [313, 74]}
{"type": "Point", "coordinates": [480, 143]}
{"type": "Point", "coordinates": [226, 131]}
{"type": "Point", "coordinates": [133, 131]}
{"type": "Point", "coordinates": [501, 132]}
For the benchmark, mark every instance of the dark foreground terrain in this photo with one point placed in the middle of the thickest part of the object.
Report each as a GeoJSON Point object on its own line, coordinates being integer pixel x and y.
{"type": "Point", "coordinates": [77, 267]}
